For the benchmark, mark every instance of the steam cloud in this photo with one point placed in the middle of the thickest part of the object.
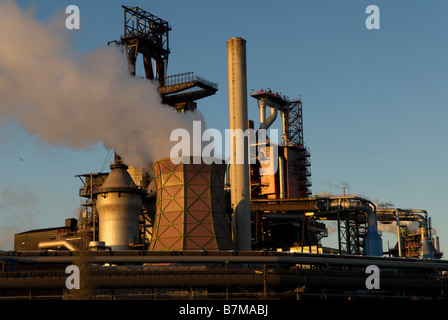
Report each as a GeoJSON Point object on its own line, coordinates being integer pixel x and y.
{"type": "Point", "coordinates": [412, 226]}
{"type": "Point", "coordinates": [75, 100]}
{"type": "Point", "coordinates": [23, 199]}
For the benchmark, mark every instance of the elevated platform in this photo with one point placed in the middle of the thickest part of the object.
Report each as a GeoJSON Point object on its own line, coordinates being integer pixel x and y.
{"type": "Point", "coordinates": [185, 87]}
{"type": "Point", "coordinates": [148, 35]}
{"type": "Point", "coordinates": [279, 99]}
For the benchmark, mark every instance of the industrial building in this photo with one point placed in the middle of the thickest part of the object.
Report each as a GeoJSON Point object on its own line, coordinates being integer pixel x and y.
{"type": "Point", "coordinates": [220, 231]}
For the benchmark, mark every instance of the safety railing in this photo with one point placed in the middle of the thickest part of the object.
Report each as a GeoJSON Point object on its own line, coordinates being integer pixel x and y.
{"type": "Point", "coordinates": [185, 78]}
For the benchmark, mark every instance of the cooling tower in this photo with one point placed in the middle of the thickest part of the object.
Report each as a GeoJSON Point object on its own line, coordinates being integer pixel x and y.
{"type": "Point", "coordinates": [190, 210]}
{"type": "Point", "coordinates": [118, 204]}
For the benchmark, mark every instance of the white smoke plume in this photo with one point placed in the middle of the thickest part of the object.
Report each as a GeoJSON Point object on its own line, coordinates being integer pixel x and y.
{"type": "Point", "coordinates": [79, 100]}
{"type": "Point", "coordinates": [412, 226]}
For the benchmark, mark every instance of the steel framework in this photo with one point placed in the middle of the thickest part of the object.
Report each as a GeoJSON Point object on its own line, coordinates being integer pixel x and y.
{"type": "Point", "coordinates": [146, 34]}
{"type": "Point", "coordinates": [292, 137]}
{"type": "Point", "coordinates": [294, 122]}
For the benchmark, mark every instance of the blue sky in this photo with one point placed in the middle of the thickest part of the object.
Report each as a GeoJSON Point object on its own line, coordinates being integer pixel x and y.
{"type": "Point", "coordinates": [374, 101]}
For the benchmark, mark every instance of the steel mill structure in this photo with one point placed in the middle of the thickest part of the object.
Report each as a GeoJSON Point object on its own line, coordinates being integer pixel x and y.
{"type": "Point", "coordinates": [210, 230]}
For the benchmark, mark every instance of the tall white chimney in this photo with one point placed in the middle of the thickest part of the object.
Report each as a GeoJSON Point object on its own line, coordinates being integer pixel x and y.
{"type": "Point", "coordinates": [239, 170]}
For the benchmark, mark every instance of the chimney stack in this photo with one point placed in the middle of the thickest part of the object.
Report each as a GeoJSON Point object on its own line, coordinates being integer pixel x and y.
{"type": "Point", "coordinates": [239, 172]}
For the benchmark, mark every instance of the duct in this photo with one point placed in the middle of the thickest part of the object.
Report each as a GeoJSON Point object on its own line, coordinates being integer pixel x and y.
{"type": "Point", "coordinates": [373, 243]}
{"type": "Point", "coordinates": [325, 205]}
{"type": "Point", "coordinates": [285, 137]}
{"type": "Point", "coordinates": [266, 123]}
{"type": "Point", "coordinates": [56, 244]}
{"type": "Point", "coordinates": [281, 175]}
{"type": "Point", "coordinates": [245, 257]}
{"type": "Point", "coordinates": [239, 171]}
{"type": "Point", "coordinates": [262, 107]}
{"type": "Point", "coordinates": [425, 249]}
{"type": "Point", "coordinates": [412, 215]}
{"type": "Point", "coordinates": [272, 117]}
{"type": "Point", "coordinates": [398, 233]}
{"type": "Point", "coordinates": [252, 277]}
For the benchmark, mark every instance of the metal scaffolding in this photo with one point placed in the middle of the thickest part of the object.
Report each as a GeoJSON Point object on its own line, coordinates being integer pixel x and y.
{"type": "Point", "coordinates": [148, 35]}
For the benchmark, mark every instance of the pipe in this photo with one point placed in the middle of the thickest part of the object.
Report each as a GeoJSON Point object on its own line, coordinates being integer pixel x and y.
{"type": "Point", "coordinates": [262, 107]}
{"type": "Point", "coordinates": [245, 257]}
{"type": "Point", "coordinates": [56, 243]}
{"type": "Point", "coordinates": [266, 123]}
{"type": "Point", "coordinates": [281, 176]}
{"type": "Point", "coordinates": [239, 172]}
{"type": "Point", "coordinates": [285, 138]}
{"type": "Point", "coordinates": [398, 233]}
{"type": "Point", "coordinates": [425, 249]}
{"type": "Point", "coordinates": [325, 205]}
{"type": "Point", "coordinates": [373, 243]}
{"type": "Point", "coordinates": [421, 216]}
{"type": "Point", "coordinates": [272, 116]}
{"type": "Point", "coordinates": [252, 277]}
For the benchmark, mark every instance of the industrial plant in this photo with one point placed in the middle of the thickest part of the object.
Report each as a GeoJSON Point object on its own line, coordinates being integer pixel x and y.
{"type": "Point", "coordinates": [230, 230]}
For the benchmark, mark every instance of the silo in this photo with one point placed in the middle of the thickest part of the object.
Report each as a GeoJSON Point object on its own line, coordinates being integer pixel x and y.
{"type": "Point", "coordinates": [190, 207]}
{"type": "Point", "coordinates": [118, 204]}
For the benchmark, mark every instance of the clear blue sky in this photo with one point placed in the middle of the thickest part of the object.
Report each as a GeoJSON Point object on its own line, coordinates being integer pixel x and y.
{"type": "Point", "coordinates": [374, 100]}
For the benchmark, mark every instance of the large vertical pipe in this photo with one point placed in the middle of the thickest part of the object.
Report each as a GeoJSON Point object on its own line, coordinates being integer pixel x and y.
{"type": "Point", "coordinates": [373, 242]}
{"type": "Point", "coordinates": [266, 123]}
{"type": "Point", "coordinates": [239, 172]}
{"type": "Point", "coordinates": [398, 233]}
{"type": "Point", "coordinates": [425, 247]}
{"type": "Point", "coordinates": [285, 137]}
{"type": "Point", "coordinates": [262, 107]}
{"type": "Point", "coordinates": [281, 176]}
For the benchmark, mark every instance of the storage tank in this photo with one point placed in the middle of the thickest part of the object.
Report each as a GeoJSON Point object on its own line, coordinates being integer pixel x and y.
{"type": "Point", "coordinates": [118, 204]}
{"type": "Point", "coordinates": [190, 207]}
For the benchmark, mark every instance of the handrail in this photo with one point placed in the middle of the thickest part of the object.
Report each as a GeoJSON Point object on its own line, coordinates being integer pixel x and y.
{"type": "Point", "coordinates": [186, 77]}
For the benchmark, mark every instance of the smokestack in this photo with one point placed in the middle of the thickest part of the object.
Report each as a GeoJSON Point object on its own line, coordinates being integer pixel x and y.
{"type": "Point", "coordinates": [239, 170]}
